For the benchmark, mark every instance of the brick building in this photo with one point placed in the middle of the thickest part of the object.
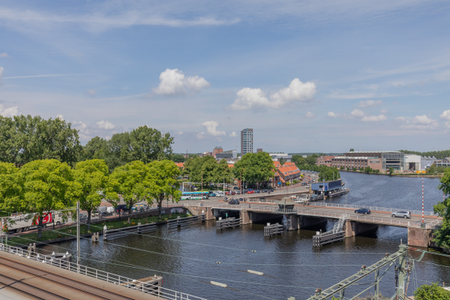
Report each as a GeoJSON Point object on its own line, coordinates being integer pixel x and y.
{"type": "Point", "coordinates": [325, 160]}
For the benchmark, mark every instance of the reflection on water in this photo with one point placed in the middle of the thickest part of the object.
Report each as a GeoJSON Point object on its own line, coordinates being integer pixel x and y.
{"type": "Point", "coordinates": [291, 266]}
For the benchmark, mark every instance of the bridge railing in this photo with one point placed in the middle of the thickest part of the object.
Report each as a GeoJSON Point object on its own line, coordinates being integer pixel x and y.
{"type": "Point", "coordinates": [373, 208]}
{"type": "Point", "coordinates": [100, 274]}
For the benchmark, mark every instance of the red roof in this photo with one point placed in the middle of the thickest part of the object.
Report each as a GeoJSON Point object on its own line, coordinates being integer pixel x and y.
{"type": "Point", "coordinates": [180, 165]}
{"type": "Point", "coordinates": [276, 164]}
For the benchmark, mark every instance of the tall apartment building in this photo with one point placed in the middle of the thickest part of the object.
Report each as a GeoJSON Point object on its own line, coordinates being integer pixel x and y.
{"type": "Point", "coordinates": [246, 141]}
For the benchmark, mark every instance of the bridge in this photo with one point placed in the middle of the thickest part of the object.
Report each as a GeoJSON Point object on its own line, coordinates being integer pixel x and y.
{"type": "Point", "coordinates": [304, 216]}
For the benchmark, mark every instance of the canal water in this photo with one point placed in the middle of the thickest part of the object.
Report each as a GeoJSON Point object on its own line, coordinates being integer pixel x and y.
{"type": "Point", "coordinates": [190, 258]}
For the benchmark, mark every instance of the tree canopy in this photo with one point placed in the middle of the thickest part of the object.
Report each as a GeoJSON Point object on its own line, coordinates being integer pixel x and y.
{"type": "Point", "coordinates": [47, 187]}
{"type": "Point", "coordinates": [11, 188]}
{"type": "Point", "coordinates": [431, 292]}
{"type": "Point", "coordinates": [25, 138]}
{"type": "Point", "coordinates": [442, 208]}
{"type": "Point", "coordinates": [164, 183]}
{"type": "Point", "coordinates": [255, 167]}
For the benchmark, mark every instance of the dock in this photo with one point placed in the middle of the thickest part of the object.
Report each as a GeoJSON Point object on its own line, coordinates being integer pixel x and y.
{"type": "Point", "coordinates": [228, 223]}
{"type": "Point", "coordinates": [273, 229]}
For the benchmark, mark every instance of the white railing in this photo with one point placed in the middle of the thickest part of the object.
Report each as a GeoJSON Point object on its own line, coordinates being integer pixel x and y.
{"type": "Point", "coordinates": [373, 208]}
{"type": "Point", "coordinates": [102, 275]}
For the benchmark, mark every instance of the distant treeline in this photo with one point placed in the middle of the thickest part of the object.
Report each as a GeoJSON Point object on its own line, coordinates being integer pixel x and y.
{"type": "Point", "coordinates": [438, 154]}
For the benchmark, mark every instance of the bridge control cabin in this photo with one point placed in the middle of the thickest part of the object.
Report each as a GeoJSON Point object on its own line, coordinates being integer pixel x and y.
{"type": "Point", "coordinates": [327, 186]}
{"type": "Point", "coordinates": [286, 205]}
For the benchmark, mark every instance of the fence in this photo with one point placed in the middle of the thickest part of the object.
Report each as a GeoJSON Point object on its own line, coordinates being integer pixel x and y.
{"type": "Point", "coordinates": [102, 275]}
{"type": "Point", "coordinates": [125, 231]}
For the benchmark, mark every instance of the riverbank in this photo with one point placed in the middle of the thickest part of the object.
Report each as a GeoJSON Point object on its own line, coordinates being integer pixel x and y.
{"type": "Point", "coordinates": [397, 175]}
{"type": "Point", "coordinates": [64, 233]}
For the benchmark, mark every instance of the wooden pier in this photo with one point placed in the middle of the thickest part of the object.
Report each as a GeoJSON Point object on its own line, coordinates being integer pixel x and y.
{"type": "Point", "coordinates": [325, 238]}
{"type": "Point", "coordinates": [273, 229]}
{"type": "Point", "coordinates": [228, 223]}
{"type": "Point", "coordinates": [182, 222]}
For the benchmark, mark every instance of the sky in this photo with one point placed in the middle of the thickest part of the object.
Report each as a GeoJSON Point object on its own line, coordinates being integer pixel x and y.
{"type": "Point", "coordinates": [307, 76]}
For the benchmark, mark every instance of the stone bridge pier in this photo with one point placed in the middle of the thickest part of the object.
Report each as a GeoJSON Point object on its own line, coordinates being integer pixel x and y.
{"type": "Point", "coordinates": [353, 228]}
{"type": "Point", "coordinates": [199, 210]}
{"type": "Point", "coordinates": [420, 237]}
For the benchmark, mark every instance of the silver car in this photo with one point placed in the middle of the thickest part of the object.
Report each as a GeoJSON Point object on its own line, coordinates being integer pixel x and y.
{"type": "Point", "coordinates": [402, 214]}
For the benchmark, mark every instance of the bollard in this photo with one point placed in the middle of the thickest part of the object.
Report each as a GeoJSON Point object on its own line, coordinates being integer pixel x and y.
{"type": "Point", "coordinates": [139, 228]}
{"type": "Point", "coordinates": [105, 228]}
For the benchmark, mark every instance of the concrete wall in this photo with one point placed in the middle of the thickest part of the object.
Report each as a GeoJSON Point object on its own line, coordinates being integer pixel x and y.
{"type": "Point", "coordinates": [305, 222]}
{"type": "Point", "coordinates": [418, 237]}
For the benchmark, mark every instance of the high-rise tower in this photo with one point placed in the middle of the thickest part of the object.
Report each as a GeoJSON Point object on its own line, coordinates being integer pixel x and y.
{"type": "Point", "coordinates": [246, 141]}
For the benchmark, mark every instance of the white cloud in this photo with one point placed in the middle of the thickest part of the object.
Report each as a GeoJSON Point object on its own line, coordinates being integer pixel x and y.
{"type": "Point", "coordinates": [91, 92]}
{"type": "Point", "coordinates": [378, 118]}
{"type": "Point", "coordinates": [310, 115]}
{"type": "Point", "coordinates": [10, 111]}
{"type": "Point", "coordinates": [332, 114]}
{"type": "Point", "coordinates": [233, 134]}
{"type": "Point", "coordinates": [174, 83]}
{"type": "Point", "coordinates": [61, 117]}
{"type": "Point", "coordinates": [105, 125]}
{"type": "Point", "coordinates": [180, 132]}
{"type": "Point", "coordinates": [367, 103]}
{"type": "Point", "coordinates": [359, 114]}
{"type": "Point", "coordinates": [1, 75]}
{"type": "Point", "coordinates": [211, 128]}
{"type": "Point", "coordinates": [200, 135]}
{"type": "Point", "coordinates": [297, 91]}
{"type": "Point", "coordinates": [446, 116]}
{"type": "Point", "coordinates": [383, 111]}
{"type": "Point", "coordinates": [82, 128]}
{"type": "Point", "coordinates": [422, 122]}
{"type": "Point", "coordinates": [4, 54]}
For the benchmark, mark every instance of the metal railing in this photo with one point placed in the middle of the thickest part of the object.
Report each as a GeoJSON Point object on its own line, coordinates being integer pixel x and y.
{"type": "Point", "coordinates": [102, 275]}
{"type": "Point", "coordinates": [374, 208]}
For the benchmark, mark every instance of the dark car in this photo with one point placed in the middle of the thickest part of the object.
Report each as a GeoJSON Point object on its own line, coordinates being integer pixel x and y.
{"type": "Point", "coordinates": [233, 201]}
{"type": "Point", "coordinates": [122, 208]}
{"type": "Point", "coordinates": [264, 191]}
{"type": "Point", "coordinates": [257, 191]}
{"type": "Point", "coordinates": [364, 211]}
{"type": "Point", "coordinates": [272, 190]}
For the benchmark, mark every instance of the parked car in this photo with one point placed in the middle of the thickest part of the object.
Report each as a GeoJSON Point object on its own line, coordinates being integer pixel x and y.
{"type": "Point", "coordinates": [264, 191]}
{"type": "Point", "coordinates": [121, 208]}
{"type": "Point", "coordinates": [140, 207]}
{"type": "Point", "coordinates": [250, 192]}
{"type": "Point", "coordinates": [364, 211]}
{"type": "Point", "coordinates": [272, 190]}
{"type": "Point", "coordinates": [233, 201]}
{"type": "Point", "coordinates": [402, 214]}
{"type": "Point", "coordinates": [105, 210]}
{"type": "Point", "coordinates": [238, 192]}
{"type": "Point", "coordinates": [257, 191]}
{"type": "Point", "coordinates": [213, 195]}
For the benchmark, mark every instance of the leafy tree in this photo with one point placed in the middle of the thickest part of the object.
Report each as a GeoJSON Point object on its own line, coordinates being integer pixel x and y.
{"type": "Point", "coordinates": [207, 164]}
{"type": "Point", "coordinates": [368, 170]}
{"type": "Point", "coordinates": [177, 158]}
{"type": "Point", "coordinates": [282, 161]}
{"type": "Point", "coordinates": [164, 183]}
{"type": "Point", "coordinates": [223, 173]}
{"type": "Point", "coordinates": [11, 189]}
{"type": "Point", "coordinates": [442, 208]}
{"type": "Point", "coordinates": [148, 144]}
{"type": "Point", "coordinates": [118, 150]}
{"type": "Point", "coordinates": [47, 187]}
{"type": "Point", "coordinates": [431, 292]}
{"type": "Point", "coordinates": [311, 159]}
{"type": "Point", "coordinates": [352, 150]}
{"type": "Point", "coordinates": [298, 160]}
{"type": "Point", "coordinates": [255, 168]}
{"type": "Point", "coordinates": [91, 177]}
{"type": "Point", "coordinates": [25, 138]}
{"type": "Point", "coordinates": [96, 148]}
{"type": "Point", "coordinates": [391, 171]}
{"type": "Point", "coordinates": [132, 182]}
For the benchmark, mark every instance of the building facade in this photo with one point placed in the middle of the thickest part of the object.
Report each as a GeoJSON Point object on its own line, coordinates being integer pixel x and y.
{"type": "Point", "coordinates": [229, 154]}
{"type": "Point", "coordinates": [325, 160]}
{"type": "Point", "coordinates": [246, 141]}
{"type": "Point", "coordinates": [356, 162]}
{"type": "Point", "coordinates": [413, 162]}
{"type": "Point", "coordinates": [389, 159]}
{"type": "Point", "coordinates": [217, 150]}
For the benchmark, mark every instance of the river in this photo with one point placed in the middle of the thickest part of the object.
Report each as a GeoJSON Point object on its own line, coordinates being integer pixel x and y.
{"type": "Point", "coordinates": [188, 259]}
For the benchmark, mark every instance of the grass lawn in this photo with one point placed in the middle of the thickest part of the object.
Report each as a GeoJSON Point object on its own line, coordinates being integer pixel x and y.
{"type": "Point", "coordinates": [51, 234]}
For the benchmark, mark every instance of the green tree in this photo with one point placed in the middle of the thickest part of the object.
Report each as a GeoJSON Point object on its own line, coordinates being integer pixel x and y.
{"type": "Point", "coordinates": [442, 209]}
{"type": "Point", "coordinates": [223, 173]}
{"type": "Point", "coordinates": [91, 177]}
{"type": "Point", "coordinates": [368, 170]}
{"type": "Point", "coordinates": [26, 138]}
{"type": "Point", "coordinates": [431, 292]}
{"type": "Point", "coordinates": [298, 160]}
{"type": "Point", "coordinates": [11, 189]}
{"type": "Point", "coordinates": [391, 171]}
{"type": "Point", "coordinates": [118, 150]}
{"type": "Point", "coordinates": [96, 148]}
{"type": "Point", "coordinates": [205, 165]}
{"type": "Point", "coordinates": [132, 182]}
{"type": "Point", "coordinates": [352, 150]}
{"type": "Point", "coordinates": [255, 168]}
{"type": "Point", "coordinates": [177, 158]}
{"type": "Point", "coordinates": [47, 187]}
{"type": "Point", "coordinates": [311, 159]}
{"type": "Point", "coordinates": [164, 183]}
{"type": "Point", "coordinates": [148, 144]}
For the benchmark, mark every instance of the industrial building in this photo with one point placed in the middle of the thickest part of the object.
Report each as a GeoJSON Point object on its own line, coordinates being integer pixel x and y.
{"type": "Point", "coordinates": [229, 154]}
{"type": "Point", "coordinates": [378, 160]}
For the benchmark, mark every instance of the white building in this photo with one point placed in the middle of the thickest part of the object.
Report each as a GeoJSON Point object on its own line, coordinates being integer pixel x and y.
{"type": "Point", "coordinates": [413, 162]}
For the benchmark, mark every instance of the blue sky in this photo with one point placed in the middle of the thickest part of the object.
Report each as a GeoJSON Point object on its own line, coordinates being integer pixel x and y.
{"type": "Point", "coordinates": [305, 75]}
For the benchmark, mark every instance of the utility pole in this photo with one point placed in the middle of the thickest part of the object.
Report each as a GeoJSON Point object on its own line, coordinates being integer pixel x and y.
{"type": "Point", "coordinates": [402, 276]}
{"type": "Point", "coordinates": [78, 233]}
{"type": "Point", "coordinates": [202, 185]}
{"type": "Point", "coordinates": [423, 211]}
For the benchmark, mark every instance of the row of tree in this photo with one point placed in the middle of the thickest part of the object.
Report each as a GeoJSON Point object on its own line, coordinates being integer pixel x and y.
{"type": "Point", "coordinates": [254, 168]}
{"type": "Point", "coordinates": [309, 163]}
{"type": "Point", "coordinates": [25, 138]}
{"type": "Point", "coordinates": [438, 154]}
{"type": "Point", "coordinates": [41, 186]}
